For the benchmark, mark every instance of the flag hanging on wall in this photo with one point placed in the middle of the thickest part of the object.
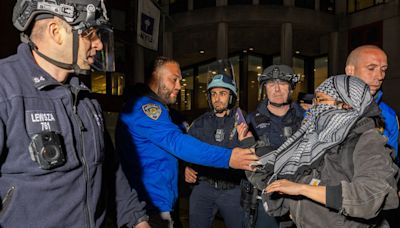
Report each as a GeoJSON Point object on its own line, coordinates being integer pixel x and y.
{"type": "Point", "coordinates": [148, 24]}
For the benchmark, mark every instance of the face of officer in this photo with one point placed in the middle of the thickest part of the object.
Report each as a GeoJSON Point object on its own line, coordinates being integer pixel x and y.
{"type": "Point", "coordinates": [369, 63]}
{"type": "Point", "coordinates": [277, 91]}
{"type": "Point", "coordinates": [169, 82]}
{"type": "Point", "coordinates": [54, 38]}
{"type": "Point", "coordinates": [220, 99]}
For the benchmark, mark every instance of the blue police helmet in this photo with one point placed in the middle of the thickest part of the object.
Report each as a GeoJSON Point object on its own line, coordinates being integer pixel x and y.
{"type": "Point", "coordinates": [222, 81]}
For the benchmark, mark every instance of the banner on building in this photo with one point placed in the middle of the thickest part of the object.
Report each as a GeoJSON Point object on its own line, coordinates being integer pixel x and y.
{"type": "Point", "coordinates": [148, 24]}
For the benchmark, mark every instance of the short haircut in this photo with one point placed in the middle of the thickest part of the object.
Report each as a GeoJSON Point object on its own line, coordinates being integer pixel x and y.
{"type": "Point", "coordinates": [156, 65]}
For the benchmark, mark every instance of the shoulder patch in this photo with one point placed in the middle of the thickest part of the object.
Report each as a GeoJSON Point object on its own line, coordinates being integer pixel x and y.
{"type": "Point", "coordinates": [152, 110]}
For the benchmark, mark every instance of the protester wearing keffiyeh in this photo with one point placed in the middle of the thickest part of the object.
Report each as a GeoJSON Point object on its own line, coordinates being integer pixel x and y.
{"type": "Point", "coordinates": [323, 127]}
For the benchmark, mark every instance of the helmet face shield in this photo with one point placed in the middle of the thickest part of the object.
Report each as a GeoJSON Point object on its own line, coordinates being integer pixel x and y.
{"type": "Point", "coordinates": [105, 58]}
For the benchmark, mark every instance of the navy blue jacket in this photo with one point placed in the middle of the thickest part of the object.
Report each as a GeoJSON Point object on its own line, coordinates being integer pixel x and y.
{"type": "Point", "coordinates": [76, 193]}
{"type": "Point", "coordinates": [205, 128]}
{"type": "Point", "coordinates": [274, 130]}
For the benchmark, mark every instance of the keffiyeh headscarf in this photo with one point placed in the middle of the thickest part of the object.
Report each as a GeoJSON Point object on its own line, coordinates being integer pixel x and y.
{"type": "Point", "coordinates": [324, 127]}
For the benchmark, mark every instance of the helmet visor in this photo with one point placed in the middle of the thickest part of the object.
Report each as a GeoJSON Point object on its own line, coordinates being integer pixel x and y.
{"type": "Point", "coordinates": [105, 58]}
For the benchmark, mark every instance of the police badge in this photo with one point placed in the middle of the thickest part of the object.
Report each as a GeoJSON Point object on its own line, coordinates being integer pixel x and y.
{"type": "Point", "coordinates": [152, 110]}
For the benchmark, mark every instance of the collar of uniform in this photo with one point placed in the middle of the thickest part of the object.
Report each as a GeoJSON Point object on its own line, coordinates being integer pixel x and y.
{"type": "Point", "coordinates": [40, 78]}
{"type": "Point", "coordinates": [154, 96]}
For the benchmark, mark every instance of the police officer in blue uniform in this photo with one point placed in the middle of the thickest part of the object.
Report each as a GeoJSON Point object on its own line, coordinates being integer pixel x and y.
{"type": "Point", "coordinates": [150, 143]}
{"type": "Point", "coordinates": [275, 120]}
{"type": "Point", "coordinates": [216, 189]}
{"type": "Point", "coordinates": [57, 169]}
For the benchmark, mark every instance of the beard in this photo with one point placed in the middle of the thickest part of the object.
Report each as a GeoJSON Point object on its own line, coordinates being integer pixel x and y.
{"type": "Point", "coordinates": [165, 94]}
{"type": "Point", "coordinates": [221, 108]}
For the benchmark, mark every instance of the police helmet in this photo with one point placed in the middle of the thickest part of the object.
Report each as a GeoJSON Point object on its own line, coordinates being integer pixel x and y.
{"type": "Point", "coordinates": [279, 72]}
{"type": "Point", "coordinates": [223, 81]}
{"type": "Point", "coordinates": [81, 15]}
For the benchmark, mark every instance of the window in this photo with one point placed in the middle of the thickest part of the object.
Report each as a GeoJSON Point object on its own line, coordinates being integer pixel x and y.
{"type": "Point", "coordinates": [98, 82]}
{"type": "Point", "coordinates": [107, 83]}
{"type": "Point", "coordinates": [186, 93]}
{"type": "Point", "coordinates": [255, 69]}
{"type": "Point", "coordinates": [298, 68]}
{"type": "Point", "coordinates": [205, 74]}
{"type": "Point", "coordinates": [357, 5]}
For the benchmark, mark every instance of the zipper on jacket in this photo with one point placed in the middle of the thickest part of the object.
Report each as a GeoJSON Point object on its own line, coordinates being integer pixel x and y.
{"type": "Point", "coordinates": [74, 96]}
{"type": "Point", "coordinates": [6, 200]}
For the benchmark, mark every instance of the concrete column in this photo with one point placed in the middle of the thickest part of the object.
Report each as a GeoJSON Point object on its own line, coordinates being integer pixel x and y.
{"type": "Point", "coordinates": [222, 40]}
{"type": "Point", "coordinates": [317, 5]}
{"type": "Point", "coordinates": [287, 43]}
{"type": "Point", "coordinates": [333, 55]}
{"type": "Point", "coordinates": [168, 44]}
{"type": "Point", "coordinates": [190, 5]}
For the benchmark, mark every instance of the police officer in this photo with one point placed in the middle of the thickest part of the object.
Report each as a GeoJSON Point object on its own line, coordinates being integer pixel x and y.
{"type": "Point", "coordinates": [275, 120]}
{"type": "Point", "coordinates": [55, 169]}
{"type": "Point", "coordinates": [150, 143]}
{"type": "Point", "coordinates": [216, 189]}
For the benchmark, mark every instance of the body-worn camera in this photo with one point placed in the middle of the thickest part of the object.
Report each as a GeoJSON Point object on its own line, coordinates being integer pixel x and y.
{"type": "Point", "coordinates": [45, 148]}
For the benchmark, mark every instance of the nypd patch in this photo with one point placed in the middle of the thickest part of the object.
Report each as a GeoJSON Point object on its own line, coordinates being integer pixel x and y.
{"type": "Point", "coordinates": [152, 110]}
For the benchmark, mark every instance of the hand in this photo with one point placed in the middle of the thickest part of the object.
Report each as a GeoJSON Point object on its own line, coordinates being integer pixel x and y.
{"type": "Point", "coordinates": [285, 187]}
{"type": "Point", "coordinates": [243, 131]}
{"type": "Point", "coordinates": [190, 175]}
{"type": "Point", "coordinates": [242, 158]}
{"type": "Point", "coordinates": [143, 225]}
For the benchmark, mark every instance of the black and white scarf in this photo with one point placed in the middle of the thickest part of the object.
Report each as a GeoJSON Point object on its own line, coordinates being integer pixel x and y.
{"type": "Point", "coordinates": [323, 127]}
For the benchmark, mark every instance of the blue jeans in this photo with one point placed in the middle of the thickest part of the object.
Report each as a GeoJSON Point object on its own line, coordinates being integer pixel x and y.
{"type": "Point", "coordinates": [206, 201]}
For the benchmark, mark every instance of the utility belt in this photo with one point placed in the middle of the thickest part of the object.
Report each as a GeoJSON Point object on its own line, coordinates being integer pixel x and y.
{"type": "Point", "coordinates": [219, 184]}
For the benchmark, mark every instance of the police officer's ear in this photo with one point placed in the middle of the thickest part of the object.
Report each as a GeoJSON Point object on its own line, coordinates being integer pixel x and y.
{"type": "Point", "coordinates": [349, 70]}
{"type": "Point", "coordinates": [57, 30]}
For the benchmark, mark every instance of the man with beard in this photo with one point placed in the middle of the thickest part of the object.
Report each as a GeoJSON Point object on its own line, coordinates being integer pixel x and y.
{"type": "Point", "coordinates": [150, 143]}
{"type": "Point", "coordinates": [216, 190]}
{"type": "Point", "coordinates": [275, 120]}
